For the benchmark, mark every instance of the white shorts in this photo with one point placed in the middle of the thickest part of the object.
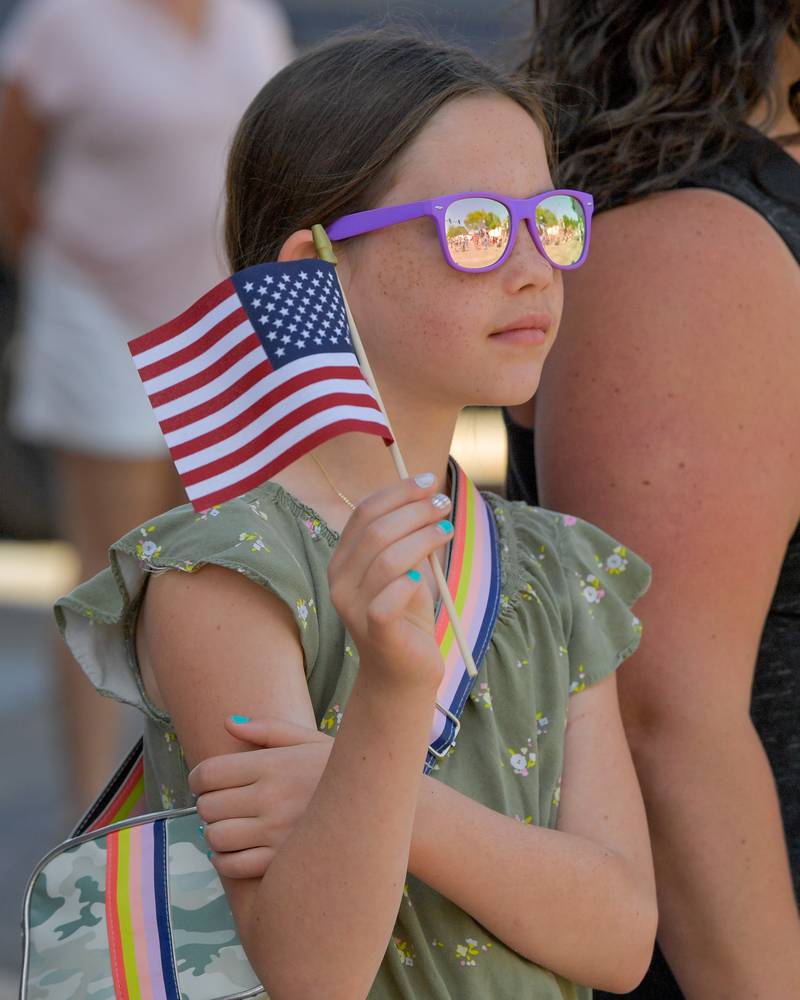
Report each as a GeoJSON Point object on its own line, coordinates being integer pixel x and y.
{"type": "Point", "coordinates": [74, 383]}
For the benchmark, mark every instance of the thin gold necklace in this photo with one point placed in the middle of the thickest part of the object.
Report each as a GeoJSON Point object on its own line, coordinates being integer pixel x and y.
{"type": "Point", "coordinates": [324, 472]}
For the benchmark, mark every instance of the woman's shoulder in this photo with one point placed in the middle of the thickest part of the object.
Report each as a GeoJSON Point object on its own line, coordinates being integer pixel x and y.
{"type": "Point", "coordinates": [678, 224]}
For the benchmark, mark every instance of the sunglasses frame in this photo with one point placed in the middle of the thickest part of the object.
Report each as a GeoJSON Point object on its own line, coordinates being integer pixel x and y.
{"type": "Point", "coordinates": [519, 209]}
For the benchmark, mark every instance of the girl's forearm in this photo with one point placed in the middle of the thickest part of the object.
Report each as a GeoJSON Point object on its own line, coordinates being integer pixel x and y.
{"type": "Point", "coordinates": [325, 909]}
{"type": "Point", "coordinates": [560, 900]}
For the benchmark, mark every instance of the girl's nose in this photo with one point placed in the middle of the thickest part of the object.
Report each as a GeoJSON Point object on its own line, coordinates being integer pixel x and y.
{"type": "Point", "coordinates": [526, 265]}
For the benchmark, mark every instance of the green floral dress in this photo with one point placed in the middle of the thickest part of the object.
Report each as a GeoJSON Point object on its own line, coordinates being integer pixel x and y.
{"type": "Point", "coordinates": [564, 623]}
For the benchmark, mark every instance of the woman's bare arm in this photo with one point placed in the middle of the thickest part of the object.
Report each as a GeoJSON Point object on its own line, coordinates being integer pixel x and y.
{"type": "Point", "coordinates": [24, 137]}
{"type": "Point", "coordinates": [669, 414]}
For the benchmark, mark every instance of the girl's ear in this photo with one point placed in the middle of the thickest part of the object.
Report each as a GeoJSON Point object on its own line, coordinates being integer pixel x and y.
{"type": "Point", "coordinates": [299, 246]}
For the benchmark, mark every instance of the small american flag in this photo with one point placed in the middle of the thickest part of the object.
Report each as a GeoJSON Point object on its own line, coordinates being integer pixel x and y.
{"type": "Point", "coordinates": [255, 374]}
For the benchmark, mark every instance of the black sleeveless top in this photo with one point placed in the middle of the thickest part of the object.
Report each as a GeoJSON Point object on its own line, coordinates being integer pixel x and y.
{"type": "Point", "coordinates": [760, 173]}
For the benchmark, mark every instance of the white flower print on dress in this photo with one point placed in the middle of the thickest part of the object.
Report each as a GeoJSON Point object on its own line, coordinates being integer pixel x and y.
{"type": "Point", "coordinates": [483, 696]}
{"type": "Point", "coordinates": [542, 724]}
{"type": "Point", "coordinates": [148, 549]}
{"type": "Point", "coordinates": [255, 506]}
{"type": "Point", "coordinates": [469, 951]}
{"type": "Point", "coordinates": [579, 684]}
{"type": "Point", "coordinates": [304, 609]}
{"type": "Point", "coordinates": [522, 761]}
{"type": "Point", "coordinates": [617, 562]}
{"type": "Point", "coordinates": [213, 512]}
{"type": "Point", "coordinates": [168, 798]}
{"type": "Point", "coordinates": [529, 594]}
{"type": "Point", "coordinates": [314, 526]}
{"type": "Point", "coordinates": [331, 720]}
{"type": "Point", "coordinates": [592, 589]}
{"type": "Point", "coordinates": [405, 951]}
{"type": "Point", "coordinates": [256, 541]}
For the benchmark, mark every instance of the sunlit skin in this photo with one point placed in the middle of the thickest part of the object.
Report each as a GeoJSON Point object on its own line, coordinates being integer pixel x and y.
{"type": "Point", "coordinates": [419, 317]}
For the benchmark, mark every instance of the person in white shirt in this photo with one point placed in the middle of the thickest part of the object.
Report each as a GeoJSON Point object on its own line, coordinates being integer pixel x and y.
{"type": "Point", "coordinates": [115, 117]}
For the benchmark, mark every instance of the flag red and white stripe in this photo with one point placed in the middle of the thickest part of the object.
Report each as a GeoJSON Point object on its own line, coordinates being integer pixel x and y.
{"type": "Point", "coordinates": [247, 380]}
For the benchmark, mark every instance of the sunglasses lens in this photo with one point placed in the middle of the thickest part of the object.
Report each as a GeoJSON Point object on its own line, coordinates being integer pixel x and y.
{"type": "Point", "coordinates": [477, 232]}
{"type": "Point", "coordinates": [561, 225]}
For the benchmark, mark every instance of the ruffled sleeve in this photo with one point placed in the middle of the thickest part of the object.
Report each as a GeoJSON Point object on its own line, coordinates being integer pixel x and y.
{"type": "Point", "coordinates": [255, 535]}
{"type": "Point", "coordinates": [602, 579]}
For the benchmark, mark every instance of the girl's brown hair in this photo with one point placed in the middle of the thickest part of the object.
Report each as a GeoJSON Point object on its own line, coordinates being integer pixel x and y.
{"type": "Point", "coordinates": [650, 93]}
{"type": "Point", "coordinates": [320, 139]}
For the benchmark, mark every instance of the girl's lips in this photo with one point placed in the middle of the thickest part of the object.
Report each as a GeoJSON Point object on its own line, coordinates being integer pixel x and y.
{"type": "Point", "coordinates": [521, 335]}
{"type": "Point", "coordinates": [530, 329]}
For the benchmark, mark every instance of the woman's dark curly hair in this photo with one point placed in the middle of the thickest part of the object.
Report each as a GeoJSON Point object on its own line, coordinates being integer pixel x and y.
{"type": "Point", "coordinates": [651, 93]}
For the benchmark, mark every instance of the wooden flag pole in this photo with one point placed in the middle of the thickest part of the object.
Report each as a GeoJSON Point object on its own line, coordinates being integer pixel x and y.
{"type": "Point", "coordinates": [325, 251]}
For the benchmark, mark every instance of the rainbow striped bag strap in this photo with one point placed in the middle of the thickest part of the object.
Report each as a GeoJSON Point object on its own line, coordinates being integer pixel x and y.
{"type": "Point", "coordinates": [472, 571]}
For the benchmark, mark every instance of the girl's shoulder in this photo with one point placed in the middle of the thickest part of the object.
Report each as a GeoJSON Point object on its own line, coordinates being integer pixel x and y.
{"type": "Point", "coordinates": [267, 524]}
{"type": "Point", "coordinates": [266, 535]}
{"type": "Point", "coordinates": [563, 570]}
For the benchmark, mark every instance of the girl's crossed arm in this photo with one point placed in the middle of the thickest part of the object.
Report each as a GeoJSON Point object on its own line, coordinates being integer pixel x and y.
{"type": "Point", "coordinates": [579, 900]}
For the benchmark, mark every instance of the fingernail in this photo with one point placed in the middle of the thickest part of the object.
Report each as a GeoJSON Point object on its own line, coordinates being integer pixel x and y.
{"type": "Point", "coordinates": [441, 501]}
{"type": "Point", "coordinates": [210, 854]}
{"type": "Point", "coordinates": [201, 829]}
{"type": "Point", "coordinates": [424, 480]}
{"type": "Point", "coordinates": [240, 719]}
{"type": "Point", "coordinates": [415, 575]}
{"type": "Point", "coordinates": [445, 527]}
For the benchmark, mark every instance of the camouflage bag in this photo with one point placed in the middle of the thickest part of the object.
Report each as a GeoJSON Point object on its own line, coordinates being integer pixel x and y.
{"type": "Point", "coordinates": [131, 907]}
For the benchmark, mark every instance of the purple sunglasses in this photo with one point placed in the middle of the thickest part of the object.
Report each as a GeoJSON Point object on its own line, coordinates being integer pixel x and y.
{"type": "Point", "coordinates": [478, 230]}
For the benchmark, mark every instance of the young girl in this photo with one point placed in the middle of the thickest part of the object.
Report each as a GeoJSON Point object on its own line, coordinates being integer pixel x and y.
{"type": "Point", "coordinates": [520, 866]}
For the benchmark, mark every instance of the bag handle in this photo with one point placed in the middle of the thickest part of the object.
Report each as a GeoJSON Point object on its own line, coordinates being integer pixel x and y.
{"type": "Point", "coordinates": [122, 798]}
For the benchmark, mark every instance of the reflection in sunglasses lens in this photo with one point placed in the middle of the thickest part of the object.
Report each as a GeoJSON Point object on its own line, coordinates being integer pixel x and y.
{"type": "Point", "coordinates": [561, 226]}
{"type": "Point", "coordinates": [477, 231]}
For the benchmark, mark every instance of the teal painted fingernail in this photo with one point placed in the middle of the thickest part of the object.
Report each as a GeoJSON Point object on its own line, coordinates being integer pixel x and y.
{"type": "Point", "coordinates": [446, 527]}
{"type": "Point", "coordinates": [210, 854]}
{"type": "Point", "coordinates": [415, 575]}
{"type": "Point", "coordinates": [240, 719]}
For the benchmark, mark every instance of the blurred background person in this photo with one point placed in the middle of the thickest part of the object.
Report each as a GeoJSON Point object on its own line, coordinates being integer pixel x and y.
{"type": "Point", "coordinates": [115, 116]}
{"type": "Point", "coordinates": [670, 406]}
